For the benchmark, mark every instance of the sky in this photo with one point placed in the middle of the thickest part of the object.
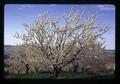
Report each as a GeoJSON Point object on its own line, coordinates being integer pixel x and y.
{"type": "Point", "coordinates": [15, 15]}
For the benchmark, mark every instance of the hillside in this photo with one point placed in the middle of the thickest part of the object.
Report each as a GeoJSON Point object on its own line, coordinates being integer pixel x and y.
{"type": "Point", "coordinates": [9, 49]}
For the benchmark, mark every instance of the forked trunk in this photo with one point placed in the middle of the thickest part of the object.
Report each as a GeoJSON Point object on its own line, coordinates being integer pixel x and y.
{"type": "Point", "coordinates": [56, 71]}
{"type": "Point", "coordinates": [75, 68]}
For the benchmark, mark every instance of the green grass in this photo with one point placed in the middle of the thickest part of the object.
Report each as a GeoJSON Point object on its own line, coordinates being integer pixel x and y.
{"type": "Point", "coordinates": [63, 75]}
{"type": "Point", "coordinates": [68, 75]}
{"type": "Point", "coordinates": [33, 76]}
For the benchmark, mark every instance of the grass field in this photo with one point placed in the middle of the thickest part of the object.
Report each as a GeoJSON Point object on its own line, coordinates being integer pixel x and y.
{"type": "Point", "coordinates": [63, 75]}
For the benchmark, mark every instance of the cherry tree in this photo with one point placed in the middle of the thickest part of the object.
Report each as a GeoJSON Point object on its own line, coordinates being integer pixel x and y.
{"type": "Point", "coordinates": [48, 43]}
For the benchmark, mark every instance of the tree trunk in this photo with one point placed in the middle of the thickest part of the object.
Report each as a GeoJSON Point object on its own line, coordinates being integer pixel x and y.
{"type": "Point", "coordinates": [19, 71]}
{"type": "Point", "coordinates": [56, 74]}
{"type": "Point", "coordinates": [27, 68]}
{"type": "Point", "coordinates": [75, 68]}
{"type": "Point", "coordinates": [83, 67]}
{"type": "Point", "coordinates": [36, 70]}
{"type": "Point", "coordinates": [56, 70]}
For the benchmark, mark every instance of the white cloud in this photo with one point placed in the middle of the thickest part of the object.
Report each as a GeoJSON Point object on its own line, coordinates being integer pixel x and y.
{"type": "Point", "coordinates": [21, 7]}
{"type": "Point", "coordinates": [100, 6]}
{"type": "Point", "coordinates": [35, 16]}
{"type": "Point", "coordinates": [106, 7]}
{"type": "Point", "coordinates": [9, 40]}
{"type": "Point", "coordinates": [38, 15]}
{"type": "Point", "coordinates": [53, 4]}
{"type": "Point", "coordinates": [31, 16]}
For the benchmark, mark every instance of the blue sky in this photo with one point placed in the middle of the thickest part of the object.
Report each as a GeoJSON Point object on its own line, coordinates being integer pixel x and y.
{"type": "Point", "coordinates": [15, 15]}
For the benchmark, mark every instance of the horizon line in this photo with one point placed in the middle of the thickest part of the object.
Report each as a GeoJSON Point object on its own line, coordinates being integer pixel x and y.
{"type": "Point", "coordinates": [21, 44]}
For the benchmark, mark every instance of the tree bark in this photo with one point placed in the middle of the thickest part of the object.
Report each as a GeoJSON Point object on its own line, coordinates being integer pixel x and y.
{"type": "Point", "coordinates": [27, 68]}
{"type": "Point", "coordinates": [75, 68]}
{"type": "Point", "coordinates": [18, 71]}
{"type": "Point", "coordinates": [56, 74]}
{"type": "Point", "coordinates": [56, 70]}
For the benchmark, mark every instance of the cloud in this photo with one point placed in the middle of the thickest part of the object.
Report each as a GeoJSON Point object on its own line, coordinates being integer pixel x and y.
{"type": "Point", "coordinates": [21, 7]}
{"type": "Point", "coordinates": [53, 4]}
{"type": "Point", "coordinates": [35, 16]}
{"type": "Point", "coordinates": [31, 16]}
{"type": "Point", "coordinates": [106, 7]}
{"type": "Point", "coordinates": [100, 6]}
{"type": "Point", "coordinates": [10, 40]}
{"type": "Point", "coordinates": [38, 15]}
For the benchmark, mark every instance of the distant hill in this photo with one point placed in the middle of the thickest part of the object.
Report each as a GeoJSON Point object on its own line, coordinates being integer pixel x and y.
{"type": "Point", "coordinates": [110, 51]}
{"type": "Point", "coordinates": [9, 49]}
{"type": "Point", "coordinates": [6, 56]}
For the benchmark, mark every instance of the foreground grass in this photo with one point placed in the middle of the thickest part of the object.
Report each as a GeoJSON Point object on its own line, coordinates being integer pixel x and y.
{"type": "Point", "coordinates": [63, 75]}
